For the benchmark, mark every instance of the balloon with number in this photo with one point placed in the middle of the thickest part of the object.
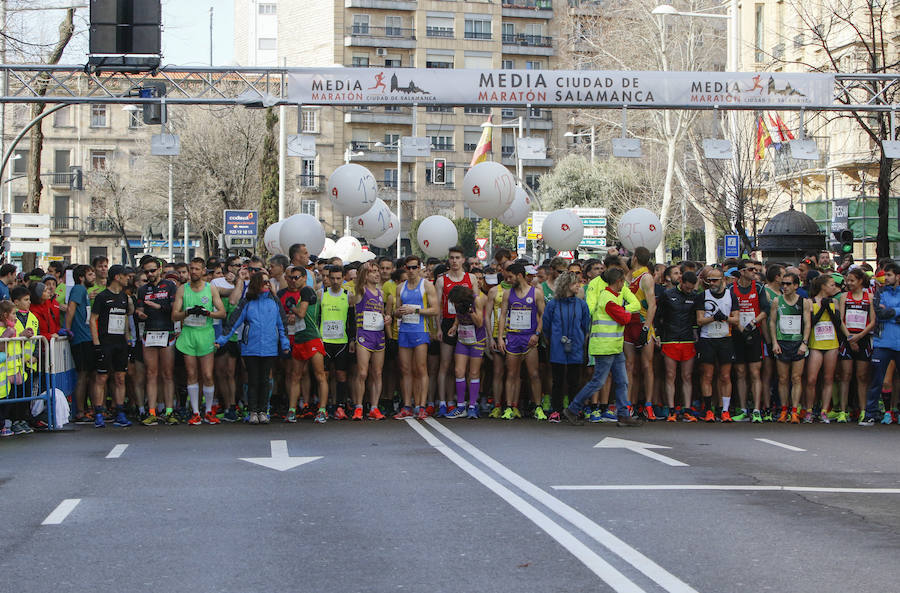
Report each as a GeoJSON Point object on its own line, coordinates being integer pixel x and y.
{"type": "Point", "coordinates": [489, 189]}
{"type": "Point", "coordinates": [518, 212]}
{"type": "Point", "coordinates": [374, 222]}
{"type": "Point", "coordinates": [302, 228]}
{"type": "Point", "coordinates": [640, 227]}
{"type": "Point", "coordinates": [348, 249]}
{"type": "Point", "coordinates": [436, 235]}
{"type": "Point", "coordinates": [563, 230]}
{"type": "Point", "coordinates": [390, 236]}
{"type": "Point", "coordinates": [352, 189]}
{"type": "Point", "coordinates": [271, 239]}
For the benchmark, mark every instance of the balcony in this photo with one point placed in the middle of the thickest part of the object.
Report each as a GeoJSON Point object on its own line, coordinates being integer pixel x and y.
{"type": "Point", "coordinates": [530, 45]}
{"type": "Point", "coordinates": [382, 4]}
{"type": "Point", "coordinates": [311, 183]}
{"type": "Point", "coordinates": [439, 32]}
{"type": "Point", "coordinates": [531, 9]}
{"type": "Point", "coordinates": [376, 154]}
{"type": "Point", "coordinates": [402, 116]}
{"type": "Point", "coordinates": [537, 119]}
{"type": "Point", "coordinates": [77, 224]}
{"type": "Point", "coordinates": [510, 161]}
{"type": "Point", "coordinates": [448, 186]}
{"type": "Point", "coordinates": [366, 36]}
{"type": "Point", "coordinates": [60, 179]}
{"type": "Point", "coordinates": [442, 147]}
{"type": "Point", "coordinates": [478, 35]}
{"type": "Point", "coordinates": [387, 191]}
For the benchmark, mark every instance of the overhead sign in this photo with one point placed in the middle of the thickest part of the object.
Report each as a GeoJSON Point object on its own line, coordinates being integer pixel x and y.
{"type": "Point", "coordinates": [165, 145]}
{"type": "Point", "coordinates": [413, 146]}
{"type": "Point", "coordinates": [241, 223]}
{"type": "Point", "coordinates": [581, 88]}
{"type": "Point", "coordinates": [732, 246]}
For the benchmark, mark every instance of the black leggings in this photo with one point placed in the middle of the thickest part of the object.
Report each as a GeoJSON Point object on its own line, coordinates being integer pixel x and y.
{"type": "Point", "coordinates": [258, 370]}
{"type": "Point", "coordinates": [566, 379]}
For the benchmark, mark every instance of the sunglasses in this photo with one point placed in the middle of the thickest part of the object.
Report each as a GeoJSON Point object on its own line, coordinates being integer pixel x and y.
{"type": "Point", "coordinates": [714, 279]}
{"type": "Point", "coordinates": [255, 269]}
{"type": "Point", "coordinates": [787, 283]}
{"type": "Point", "coordinates": [412, 267]}
{"type": "Point", "coordinates": [151, 270]}
{"type": "Point", "coordinates": [296, 277]}
{"type": "Point", "coordinates": [234, 265]}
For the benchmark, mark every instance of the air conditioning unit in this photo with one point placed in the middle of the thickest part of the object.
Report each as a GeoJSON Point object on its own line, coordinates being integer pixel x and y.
{"type": "Point", "coordinates": [381, 52]}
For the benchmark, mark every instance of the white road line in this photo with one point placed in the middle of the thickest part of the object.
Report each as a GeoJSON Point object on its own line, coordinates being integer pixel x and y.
{"type": "Point", "coordinates": [782, 445]}
{"type": "Point", "coordinates": [642, 563]}
{"type": "Point", "coordinates": [588, 557]}
{"type": "Point", "coordinates": [116, 452]}
{"type": "Point", "coordinates": [60, 513]}
{"type": "Point", "coordinates": [729, 487]}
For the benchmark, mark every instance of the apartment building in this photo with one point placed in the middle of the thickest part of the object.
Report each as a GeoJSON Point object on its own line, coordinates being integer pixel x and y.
{"type": "Point", "coordinates": [518, 34]}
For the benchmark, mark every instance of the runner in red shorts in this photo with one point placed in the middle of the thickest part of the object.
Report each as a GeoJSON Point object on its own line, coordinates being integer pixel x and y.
{"type": "Point", "coordinates": [677, 319]}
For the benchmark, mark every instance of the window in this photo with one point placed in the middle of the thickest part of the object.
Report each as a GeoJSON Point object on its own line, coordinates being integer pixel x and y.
{"type": "Point", "coordinates": [438, 109]}
{"type": "Point", "coordinates": [268, 8]}
{"type": "Point", "coordinates": [393, 26]}
{"type": "Point", "coordinates": [310, 207]}
{"type": "Point", "coordinates": [20, 165]}
{"type": "Point", "coordinates": [135, 118]}
{"type": "Point", "coordinates": [61, 167]}
{"type": "Point", "coordinates": [439, 63]}
{"type": "Point", "coordinates": [390, 177]}
{"type": "Point", "coordinates": [439, 26]}
{"type": "Point", "coordinates": [392, 64]}
{"type": "Point", "coordinates": [534, 34]}
{"type": "Point", "coordinates": [96, 252]}
{"type": "Point", "coordinates": [98, 116]}
{"type": "Point", "coordinates": [99, 160]}
{"type": "Point", "coordinates": [508, 64]}
{"type": "Point", "coordinates": [509, 32]}
{"type": "Point", "coordinates": [448, 177]}
{"type": "Point", "coordinates": [477, 28]}
{"type": "Point", "coordinates": [310, 123]}
{"type": "Point", "coordinates": [477, 110]}
{"type": "Point", "coordinates": [391, 140]}
{"type": "Point", "coordinates": [470, 140]}
{"type": "Point", "coordinates": [360, 61]}
{"type": "Point", "coordinates": [61, 213]}
{"type": "Point", "coordinates": [267, 44]}
{"type": "Point", "coordinates": [61, 118]}
{"type": "Point", "coordinates": [507, 145]}
{"type": "Point", "coordinates": [360, 24]}
{"type": "Point", "coordinates": [442, 142]}
{"type": "Point", "coordinates": [63, 251]}
{"type": "Point", "coordinates": [532, 180]}
{"type": "Point", "coordinates": [759, 34]}
{"type": "Point", "coordinates": [392, 108]}
{"type": "Point", "coordinates": [478, 60]}
{"type": "Point", "coordinates": [533, 65]}
{"type": "Point", "coordinates": [19, 203]}
{"type": "Point", "coordinates": [308, 173]}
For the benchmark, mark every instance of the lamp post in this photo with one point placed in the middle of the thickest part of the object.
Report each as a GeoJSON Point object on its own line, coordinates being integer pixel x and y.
{"type": "Point", "coordinates": [518, 123]}
{"type": "Point", "coordinates": [396, 145]}
{"type": "Point", "coordinates": [9, 178]}
{"type": "Point", "coordinates": [584, 135]}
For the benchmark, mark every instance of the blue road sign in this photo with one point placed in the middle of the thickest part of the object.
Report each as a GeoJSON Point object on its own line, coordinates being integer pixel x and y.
{"type": "Point", "coordinates": [241, 223]}
{"type": "Point", "coordinates": [732, 246]}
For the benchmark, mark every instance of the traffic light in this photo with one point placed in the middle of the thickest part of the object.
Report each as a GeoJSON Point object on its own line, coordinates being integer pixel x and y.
{"type": "Point", "coordinates": [843, 241]}
{"type": "Point", "coordinates": [154, 113]}
{"type": "Point", "coordinates": [440, 172]}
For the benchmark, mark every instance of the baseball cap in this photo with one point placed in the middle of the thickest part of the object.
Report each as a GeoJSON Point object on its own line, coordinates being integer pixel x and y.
{"type": "Point", "coordinates": [733, 272]}
{"type": "Point", "coordinates": [530, 270]}
{"type": "Point", "coordinates": [116, 270]}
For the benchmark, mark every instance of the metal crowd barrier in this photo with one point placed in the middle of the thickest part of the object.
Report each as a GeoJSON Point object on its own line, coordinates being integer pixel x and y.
{"type": "Point", "coordinates": [25, 374]}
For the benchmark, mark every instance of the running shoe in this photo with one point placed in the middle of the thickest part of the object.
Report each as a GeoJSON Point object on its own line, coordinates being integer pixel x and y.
{"type": "Point", "coordinates": [18, 428]}
{"type": "Point", "coordinates": [5, 432]}
{"type": "Point", "coordinates": [545, 402]}
{"type": "Point", "coordinates": [472, 414]}
{"type": "Point", "coordinates": [516, 412]}
{"type": "Point", "coordinates": [539, 413]}
{"type": "Point", "coordinates": [321, 417]}
{"type": "Point", "coordinates": [587, 412]}
{"type": "Point", "coordinates": [403, 413]}
{"type": "Point", "coordinates": [211, 418]}
{"type": "Point", "coordinates": [508, 414]}
{"type": "Point", "coordinates": [83, 419]}
{"type": "Point", "coordinates": [741, 416]}
{"type": "Point", "coordinates": [442, 411]}
{"type": "Point", "coordinates": [783, 417]}
{"type": "Point", "coordinates": [554, 418]}
{"type": "Point", "coordinates": [807, 417]}
{"type": "Point", "coordinates": [375, 414]}
{"type": "Point", "coordinates": [496, 413]}
{"type": "Point", "coordinates": [767, 417]}
{"type": "Point", "coordinates": [150, 420]}
{"type": "Point", "coordinates": [841, 418]}
{"type": "Point", "coordinates": [171, 419]}
{"type": "Point", "coordinates": [867, 422]}
{"type": "Point", "coordinates": [423, 414]}
{"type": "Point", "coordinates": [429, 410]}
{"type": "Point", "coordinates": [99, 422]}
{"type": "Point", "coordinates": [862, 415]}
{"type": "Point", "coordinates": [197, 420]}
{"type": "Point", "coordinates": [649, 415]}
{"type": "Point", "coordinates": [726, 416]}
{"type": "Point", "coordinates": [263, 418]}
{"type": "Point", "coordinates": [254, 418]}
{"type": "Point", "coordinates": [230, 415]}
{"type": "Point", "coordinates": [357, 413]}
{"type": "Point", "coordinates": [565, 401]}
{"type": "Point", "coordinates": [672, 417]}
{"type": "Point", "coordinates": [121, 420]}
{"type": "Point", "coordinates": [887, 418]}
{"type": "Point", "coordinates": [756, 417]}
{"type": "Point", "coordinates": [307, 412]}
{"type": "Point", "coordinates": [833, 414]}
{"type": "Point", "coordinates": [457, 412]}
{"type": "Point", "coordinates": [609, 416]}
{"type": "Point", "coordinates": [291, 417]}
{"type": "Point", "coordinates": [688, 416]}
{"type": "Point", "coordinates": [595, 416]}
{"type": "Point", "coordinates": [340, 414]}
{"type": "Point", "coordinates": [710, 416]}
{"type": "Point", "coordinates": [824, 419]}
{"type": "Point", "coordinates": [795, 418]}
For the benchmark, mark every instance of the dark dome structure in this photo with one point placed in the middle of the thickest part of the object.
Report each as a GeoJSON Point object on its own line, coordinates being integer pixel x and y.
{"type": "Point", "coordinates": [789, 237]}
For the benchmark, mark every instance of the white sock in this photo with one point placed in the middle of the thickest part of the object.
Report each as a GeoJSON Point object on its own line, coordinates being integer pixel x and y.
{"type": "Point", "coordinates": [726, 402]}
{"type": "Point", "coordinates": [208, 393]}
{"type": "Point", "coordinates": [194, 396]}
{"type": "Point", "coordinates": [442, 403]}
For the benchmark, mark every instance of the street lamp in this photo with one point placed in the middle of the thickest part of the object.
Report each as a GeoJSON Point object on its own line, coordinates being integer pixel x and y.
{"type": "Point", "coordinates": [584, 135]}
{"type": "Point", "coordinates": [9, 177]}
{"type": "Point", "coordinates": [399, 197]}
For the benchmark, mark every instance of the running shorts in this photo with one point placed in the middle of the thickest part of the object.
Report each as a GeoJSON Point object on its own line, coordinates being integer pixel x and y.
{"type": "Point", "coordinates": [679, 351]}
{"type": "Point", "coordinates": [196, 341]}
{"type": "Point", "coordinates": [308, 349]}
{"type": "Point", "coordinates": [748, 349]}
{"type": "Point", "coordinates": [715, 350]}
{"type": "Point", "coordinates": [413, 339]}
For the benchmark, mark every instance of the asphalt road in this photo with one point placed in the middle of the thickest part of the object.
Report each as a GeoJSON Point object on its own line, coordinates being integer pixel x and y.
{"type": "Point", "coordinates": [453, 506]}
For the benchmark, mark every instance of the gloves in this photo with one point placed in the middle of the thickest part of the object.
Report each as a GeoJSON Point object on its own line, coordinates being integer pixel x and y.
{"type": "Point", "coordinates": [719, 316]}
{"type": "Point", "coordinates": [197, 310]}
{"type": "Point", "coordinates": [750, 327]}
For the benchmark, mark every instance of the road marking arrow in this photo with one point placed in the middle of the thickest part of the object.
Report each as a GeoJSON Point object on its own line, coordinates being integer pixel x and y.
{"type": "Point", "coordinates": [639, 448]}
{"type": "Point", "coordinates": [280, 460]}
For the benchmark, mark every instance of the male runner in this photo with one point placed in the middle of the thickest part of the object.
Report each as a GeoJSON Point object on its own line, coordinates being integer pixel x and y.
{"type": "Point", "coordinates": [454, 276]}
{"type": "Point", "coordinates": [78, 314]}
{"type": "Point", "coordinates": [110, 334]}
{"type": "Point", "coordinates": [154, 309]}
{"type": "Point", "coordinates": [640, 338]}
{"type": "Point", "coordinates": [677, 321]}
{"type": "Point", "coordinates": [338, 328]}
{"type": "Point", "coordinates": [748, 340]}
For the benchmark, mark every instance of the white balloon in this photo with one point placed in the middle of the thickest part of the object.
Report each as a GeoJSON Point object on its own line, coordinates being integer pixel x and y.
{"type": "Point", "coordinates": [640, 227]}
{"type": "Point", "coordinates": [367, 256]}
{"type": "Point", "coordinates": [374, 222]}
{"type": "Point", "coordinates": [271, 240]}
{"type": "Point", "coordinates": [489, 189]}
{"type": "Point", "coordinates": [302, 228]}
{"type": "Point", "coordinates": [563, 230]}
{"type": "Point", "coordinates": [519, 211]}
{"type": "Point", "coordinates": [328, 250]}
{"type": "Point", "coordinates": [352, 189]}
{"type": "Point", "coordinates": [348, 249]}
{"type": "Point", "coordinates": [390, 236]}
{"type": "Point", "coordinates": [436, 235]}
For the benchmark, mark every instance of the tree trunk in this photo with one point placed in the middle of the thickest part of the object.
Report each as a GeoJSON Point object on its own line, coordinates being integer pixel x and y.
{"type": "Point", "coordinates": [709, 239]}
{"type": "Point", "coordinates": [882, 242]}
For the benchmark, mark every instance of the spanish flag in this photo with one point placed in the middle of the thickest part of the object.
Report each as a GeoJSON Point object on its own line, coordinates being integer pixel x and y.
{"type": "Point", "coordinates": [783, 132]}
{"type": "Point", "coordinates": [763, 139]}
{"type": "Point", "coordinates": [484, 144]}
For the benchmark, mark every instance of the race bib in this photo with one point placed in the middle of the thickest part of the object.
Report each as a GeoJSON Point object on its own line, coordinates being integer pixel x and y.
{"type": "Point", "coordinates": [156, 339]}
{"type": "Point", "coordinates": [856, 319]}
{"type": "Point", "coordinates": [373, 321]}
{"type": "Point", "coordinates": [789, 324]}
{"type": "Point", "coordinates": [451, 308]}
{"type": "Point", "coordinates": [519, 319]}
{"type": "Point", "coordinates": [411, 318]}
{"type": "Point", "coordinates": [116, 326]}
{"type": "Point", "coordinates": [466, 334]}
{"type": "Point", "coordinates": [824, 331]}
{"type": "Point", "coordinates": [333, 329]}
{"type": "Point", "coordinates": [747, 317]}
{"type": "Point", "coordinates": [717, 329]}
{"type": "Point", "coordinates": [195, 321]}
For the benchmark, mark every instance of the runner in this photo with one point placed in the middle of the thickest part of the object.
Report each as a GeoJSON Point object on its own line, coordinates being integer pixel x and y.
{"type": "Point", "coordinates": [823, 347]}
{"type": "Point", "coordinates": [520, 325]}
{"type": "Point", "coordinates": [748, 339]}
{"type": "Point", "coordinates": [78, 315]}
{"type": "Point", "coordinates": [338, 333]}
{"type": "Point", "coordinates": [389, 288]}
{"type": "Point", "coordinates": [773, 277]}
{"type": "Point", "coordinates": [197, 304]}
{"type": "Point", "coordinates": [789, 325]}
{"type": "Point", "coordinates": [371, 319]}
{"type": "Point", "coordinates": [678, 315]}
{"type": "Point", "coordinates": [455, 276]}
{"type": "Point", "coordinates": [416, 302]}
{"type": "Point", "coordinates": [640, 337]}
{"type": "Point", "coordinates": [857, 310]}
{"type": "Point", "coordinates": [716, 315]}
{"type": "Point", "coordinates": [886, 341]}
{"type": "Point", "coordinates": [154, 311]}
{"type": "Point", "coordinates": [496, 297]}
{"type": "Point", "coordinates": [226, 357]}
{"type": "Point", "coordinates": [110, 333]}
{"type": "Point", "coordinates": [471, 332]}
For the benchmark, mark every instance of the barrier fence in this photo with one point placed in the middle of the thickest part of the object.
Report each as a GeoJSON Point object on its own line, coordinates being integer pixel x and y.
{"type": "Point", "coordinates": [26, 377]}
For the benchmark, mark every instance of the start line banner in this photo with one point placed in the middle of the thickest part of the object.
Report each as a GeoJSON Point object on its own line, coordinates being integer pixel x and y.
{"type": "Point", "coordinates": [582, 88]}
